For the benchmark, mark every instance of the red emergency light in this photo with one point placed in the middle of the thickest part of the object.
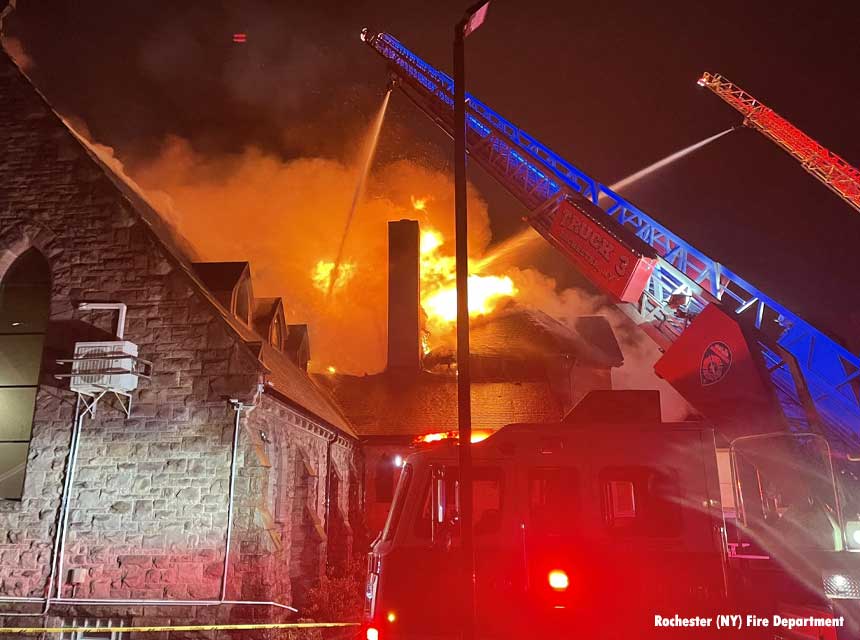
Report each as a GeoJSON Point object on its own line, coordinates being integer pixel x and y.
{"type": "Point", "coordinates": [558, 580]}
{"type": "Point", "coordinates": [240, 37]}
{"type": "Point", "coordinates": [428, 438]}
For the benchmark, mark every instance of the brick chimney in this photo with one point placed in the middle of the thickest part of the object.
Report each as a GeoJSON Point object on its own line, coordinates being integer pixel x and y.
{"type": "Point", "coordinates": [404, 315]}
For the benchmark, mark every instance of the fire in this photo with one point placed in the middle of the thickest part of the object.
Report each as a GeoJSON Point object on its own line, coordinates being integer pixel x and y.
{"type": "Point", "coordinates": [485, 293]}
{"type": "Point", "coordinates": [478, 435]}
{"type": "Point", "coordinates": [419, 204]}
{"type": "Point", "coordinates": [438, 289]}
{"type": "Point", "coordinates": [324, 271]}
{"type": "Point", "coordinates": [430, 241]}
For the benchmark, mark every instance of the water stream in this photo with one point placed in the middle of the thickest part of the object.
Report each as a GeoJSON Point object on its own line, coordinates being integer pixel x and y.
{"type": "Point", "coordinates": [373, 140]}
{"type": "Point", "coordinates": [529, 235]}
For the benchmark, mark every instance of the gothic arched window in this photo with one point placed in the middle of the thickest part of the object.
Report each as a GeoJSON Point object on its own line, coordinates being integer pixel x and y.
{"type": "Point", "coordinates": [25, 297]}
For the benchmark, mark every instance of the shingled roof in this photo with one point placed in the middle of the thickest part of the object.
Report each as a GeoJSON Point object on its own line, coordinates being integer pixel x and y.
{"type": "Point", "coordinates": [526, 343]}
{"type": "Point", "coordinates": [525, 333]}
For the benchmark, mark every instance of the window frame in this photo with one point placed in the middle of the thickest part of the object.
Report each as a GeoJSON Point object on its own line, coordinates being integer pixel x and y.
{"type": "Point", "coordinates": [40, 278]}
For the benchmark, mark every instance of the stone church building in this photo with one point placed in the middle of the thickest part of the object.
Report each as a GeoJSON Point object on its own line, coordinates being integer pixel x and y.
{"type": "Point", "coordinates": [186, 468]}
{"type": "Point", "coordinates": [225, 477]}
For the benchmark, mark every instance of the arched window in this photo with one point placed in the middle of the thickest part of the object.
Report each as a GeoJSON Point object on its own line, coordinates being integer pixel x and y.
{"type": "Point", "coordinates": [25, 297]}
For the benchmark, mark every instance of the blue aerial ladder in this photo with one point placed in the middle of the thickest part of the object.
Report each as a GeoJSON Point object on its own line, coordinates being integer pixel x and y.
{"type": "Point", "coordinates": [815, 379]}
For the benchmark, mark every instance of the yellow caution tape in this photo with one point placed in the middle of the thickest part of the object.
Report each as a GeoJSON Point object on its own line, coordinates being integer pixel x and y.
{"type": "Point", "coordinates": [195, 627]}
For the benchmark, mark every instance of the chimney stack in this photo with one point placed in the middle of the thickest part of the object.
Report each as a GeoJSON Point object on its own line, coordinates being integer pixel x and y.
{"type": "Point", "coordinates": [404, 304]}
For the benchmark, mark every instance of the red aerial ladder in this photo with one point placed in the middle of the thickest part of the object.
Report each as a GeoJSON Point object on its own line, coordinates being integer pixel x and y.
{"type": "Point", "coordinates": [831, 170]}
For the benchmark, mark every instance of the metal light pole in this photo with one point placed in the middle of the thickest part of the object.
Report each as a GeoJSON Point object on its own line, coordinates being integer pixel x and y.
{"type": "Point", "coordinates": [472, 19]}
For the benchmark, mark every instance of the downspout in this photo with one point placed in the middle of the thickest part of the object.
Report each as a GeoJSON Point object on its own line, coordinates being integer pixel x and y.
{"type": "Point", "coordinates": [59, 542]}
{"type": "Point", "coordinates": [237, 407]}
{"type": "Point", "coordinates": [332, 439]}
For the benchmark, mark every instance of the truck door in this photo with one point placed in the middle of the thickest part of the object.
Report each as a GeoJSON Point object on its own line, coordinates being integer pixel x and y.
{"type": "Point", "coordinates": [438, 527]}
{"type": "Point", "coordinates": [791, 548]}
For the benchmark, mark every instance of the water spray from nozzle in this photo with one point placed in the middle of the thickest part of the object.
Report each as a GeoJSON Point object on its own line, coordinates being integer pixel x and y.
{"type": "Point", "coordinates": [359, 187]}
{"type": "Point", "coordinates": [528, 235]}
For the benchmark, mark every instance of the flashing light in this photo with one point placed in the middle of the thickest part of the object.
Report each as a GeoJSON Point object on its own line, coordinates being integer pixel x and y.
{"type": "Point", "coordinates": [372, 633]}
{"type": "Point", "coordinates": [701, 81]}
{"type": "Point", "coordinates": [435, 437]}
{"type": "Point", "coordinates": [240, 38]}
{"type": "Point", "coordinates": [839, 582]}
{"type": "Point", "coordinates": [852, 533]}
{"type": "Point", "coordinates": [558, 580]}
{"type": "Point", "coordinates": [398, 461]}
{"type": "Point", "coordinates": [391, 617]}
{"type": "Point", "coordinates": [427, 438]}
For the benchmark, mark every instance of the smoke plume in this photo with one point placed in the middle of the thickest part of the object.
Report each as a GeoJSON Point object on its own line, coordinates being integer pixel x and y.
{"type": "Point", "coordinates": [288, 216]}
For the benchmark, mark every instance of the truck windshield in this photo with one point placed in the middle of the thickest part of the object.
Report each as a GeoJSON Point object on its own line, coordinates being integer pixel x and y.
{"type": "Point", "coordinates": [399, 502]}
{"type": "Point", "coordinates": [786, 491]}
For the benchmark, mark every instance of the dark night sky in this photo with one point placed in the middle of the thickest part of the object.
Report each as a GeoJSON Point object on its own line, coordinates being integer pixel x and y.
{"type": "Point", "coordinates": [609, 86]}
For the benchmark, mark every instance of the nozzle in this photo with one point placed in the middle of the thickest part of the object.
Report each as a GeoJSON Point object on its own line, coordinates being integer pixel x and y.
{"type": "Point", "coordinates": [363, 35]}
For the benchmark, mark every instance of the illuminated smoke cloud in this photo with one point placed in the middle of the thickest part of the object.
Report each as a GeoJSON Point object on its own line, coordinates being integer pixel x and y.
{"type": "Point", "coordinates": [15, 48]}
{"type": "Point", "coordinates": [287, 217]}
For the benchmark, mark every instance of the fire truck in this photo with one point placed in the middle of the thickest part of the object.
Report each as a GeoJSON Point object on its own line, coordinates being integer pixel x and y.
{"type": "Point", "coordinates": [762, 517]}
{"type": "Point", "coordinates": [603, 527]}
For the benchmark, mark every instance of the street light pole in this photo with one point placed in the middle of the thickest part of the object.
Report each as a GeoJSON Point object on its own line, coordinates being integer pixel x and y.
{"type": "Point", "coordinates": [472, 19]}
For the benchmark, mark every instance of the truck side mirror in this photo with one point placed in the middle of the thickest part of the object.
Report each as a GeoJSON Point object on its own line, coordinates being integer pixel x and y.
{"type": "Point", "coordinates": [443, 515]}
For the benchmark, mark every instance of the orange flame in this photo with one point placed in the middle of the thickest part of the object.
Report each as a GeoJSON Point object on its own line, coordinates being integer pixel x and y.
{"type": "Point", "coordinates": [323, 271]}
{"type": "Point", "coordinates": [438, 284]}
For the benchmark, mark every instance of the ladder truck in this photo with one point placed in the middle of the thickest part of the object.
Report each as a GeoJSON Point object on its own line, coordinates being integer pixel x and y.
{"type": "Point", "coordinates": [827, 167]}
{"type": "Point", "coordinates": [748, 363]}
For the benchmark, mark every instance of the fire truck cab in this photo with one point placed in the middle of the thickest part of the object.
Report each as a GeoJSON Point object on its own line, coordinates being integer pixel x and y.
{"type": "Point", "coordinates": [576, 525]}
{"type": "Point", "coordinates": [580, 527]}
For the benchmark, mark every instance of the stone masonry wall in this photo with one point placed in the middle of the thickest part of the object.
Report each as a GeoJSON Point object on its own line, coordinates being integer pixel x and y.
{"type": "Point", "coordinates": [286, 513]}
{"type": "Point", "coordinates": [148, 508]}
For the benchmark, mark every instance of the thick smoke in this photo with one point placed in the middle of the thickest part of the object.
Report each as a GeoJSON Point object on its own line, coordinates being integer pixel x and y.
{"type": "Point", "coordinates": [287, 216]}
{"type": "Point", "coordinates": [640, 353]}
{"type": "Point", "coordinates": [15, 48]}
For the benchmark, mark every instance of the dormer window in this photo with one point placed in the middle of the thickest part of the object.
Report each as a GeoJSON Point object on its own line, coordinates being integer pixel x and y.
{"type": "Point", "coordinates": [242, 300]}
{"type": "Point", "coordinates": [277, 333]}
{"type": "Point", "coordinates": [269, 321]}
{"type": "Point", "coordinates": [230, 284]}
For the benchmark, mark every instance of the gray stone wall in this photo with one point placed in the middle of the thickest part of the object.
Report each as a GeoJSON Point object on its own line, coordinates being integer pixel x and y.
{"type": "Point", "coordinates": [287, 459]}
{"type": "Point", "coordinates": [148, 509]}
